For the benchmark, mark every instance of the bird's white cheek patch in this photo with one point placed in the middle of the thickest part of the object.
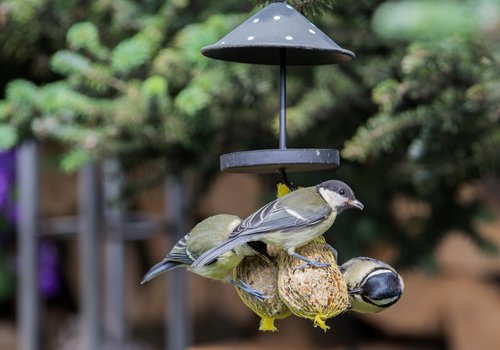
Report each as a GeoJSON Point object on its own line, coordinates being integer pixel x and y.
{"type": "Point", "coordinates": [386, 301]}
{"type": "Point", "coordinates": [332, 198]}
{"type": "Point", "coordinates": [379, 272]}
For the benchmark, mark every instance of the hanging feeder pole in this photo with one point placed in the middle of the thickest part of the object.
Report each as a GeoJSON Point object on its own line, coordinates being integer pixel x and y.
{"type": "Point", "coordinates": [282, 134]}
{"type": "Point", "coordinates": [282, 137]}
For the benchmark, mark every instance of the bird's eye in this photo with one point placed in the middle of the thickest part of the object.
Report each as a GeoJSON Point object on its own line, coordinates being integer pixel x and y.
{"type": "Point", "coordinates": [342, 192]}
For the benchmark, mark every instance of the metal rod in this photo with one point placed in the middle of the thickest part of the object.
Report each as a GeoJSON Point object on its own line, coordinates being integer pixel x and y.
{"type": "Point", "coordinates": [28, 301]}
{"type": "Point", "coordinates": [89, 230]}
{"type": "Point", "coordinates": [178, 325]}
{"type": "Point", "coordinates": [114, 256]}
{"type": "Point", "coordinates": [282, 98]}
{"type": "Point", "coordinates": [283, 113]}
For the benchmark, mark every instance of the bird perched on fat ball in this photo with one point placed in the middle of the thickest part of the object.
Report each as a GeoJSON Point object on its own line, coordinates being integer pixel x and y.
{"type": "Point", "coordinates": [290, 221]}
{"type": "Point", "coordinates": [372, 284]}
{"type": "Point", "coordinates": [205, 235]}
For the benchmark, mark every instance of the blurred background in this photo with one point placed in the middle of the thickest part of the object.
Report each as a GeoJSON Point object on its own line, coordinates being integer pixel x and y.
{"type": "Point", "coordinates": [111, 127]}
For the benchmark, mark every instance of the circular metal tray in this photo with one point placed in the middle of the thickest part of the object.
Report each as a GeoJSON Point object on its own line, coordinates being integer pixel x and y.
{"type": "Point", "coordinates": [273, 160]}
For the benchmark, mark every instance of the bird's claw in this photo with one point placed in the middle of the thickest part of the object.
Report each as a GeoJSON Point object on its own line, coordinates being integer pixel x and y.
{"type": "Point", "coordinates": [252, 291]}
{"type": "Point", "coordinates": [308, 262]}
{"type": "Point", "coordinates": [259, 295]}
{"type": "Point", "coordinates": [333, 250]}
{"type": "Point", "coordinates": [312, 264]}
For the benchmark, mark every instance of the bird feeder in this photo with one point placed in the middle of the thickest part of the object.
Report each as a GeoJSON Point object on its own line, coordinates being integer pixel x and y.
{"type": "Point", "coordinates": [279, 35]}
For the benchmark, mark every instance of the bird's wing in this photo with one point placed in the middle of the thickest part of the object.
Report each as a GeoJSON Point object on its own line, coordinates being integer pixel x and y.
{"type": "Point", "coordinates": [281, 216]}
{"type": "Point", "coordinates": [299, 209]}
{"type": "Point", "coordinates": [212, 254]}
{"type": "Point", "coordinates": [180, 253]}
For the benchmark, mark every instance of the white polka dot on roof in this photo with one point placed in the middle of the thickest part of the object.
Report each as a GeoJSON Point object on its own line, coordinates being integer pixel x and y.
{"type": "Point", "coordinates": [256, 20]}
{"type": "Point", "coordinates": [276, 18]}
{"type": "Point", "coordinates": [289, 37]}
{"type": "Point", "coordinates": [312, 31]}
{"type": "Point", "coordinates": [250, 37]}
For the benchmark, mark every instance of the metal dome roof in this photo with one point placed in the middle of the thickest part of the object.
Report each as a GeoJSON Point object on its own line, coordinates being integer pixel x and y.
{"type": "Point", "coordinates": [278, 26]}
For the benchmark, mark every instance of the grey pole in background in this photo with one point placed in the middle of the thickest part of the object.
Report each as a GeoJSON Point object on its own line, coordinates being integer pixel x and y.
{"type": "Point", "coordinates": [28, 302]}
{"type": "Point", "coordinates": [114, 317]}
{"type": "Point", "coordinates": [178, 325]}
{"type": "Point", "coordinates": [89, 232]}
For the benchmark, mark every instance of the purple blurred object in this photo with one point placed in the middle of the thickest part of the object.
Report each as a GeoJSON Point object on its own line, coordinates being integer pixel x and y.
{"type": "Point", "coordinates": [48, 271]}
{"type": "Point", "coordinates": [4, 186]}
{"type": "Point", "coordinates": [7, 184]}
{"type": "Point", "coordinates": [49, 280]}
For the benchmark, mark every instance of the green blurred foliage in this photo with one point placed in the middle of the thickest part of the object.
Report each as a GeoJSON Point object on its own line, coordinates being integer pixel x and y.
{"type": "Point", "coordinates": [307, 7]}
{"type": "Point", "coordinates": [415, 114]}
{"type": "Point", "coordinates": [425, 20]}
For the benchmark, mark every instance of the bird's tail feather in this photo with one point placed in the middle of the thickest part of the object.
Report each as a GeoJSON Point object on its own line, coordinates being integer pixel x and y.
{"type": "Point", "coordinates": [217, 251]}
{"type": "Point", "coordinates": [158, 269]}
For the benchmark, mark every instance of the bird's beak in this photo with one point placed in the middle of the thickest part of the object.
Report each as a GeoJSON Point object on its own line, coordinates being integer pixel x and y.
{"type": "Point", "coordinates": [355, 204]}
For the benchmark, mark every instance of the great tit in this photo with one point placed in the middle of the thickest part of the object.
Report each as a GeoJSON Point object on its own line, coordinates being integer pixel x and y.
{"type": "Point", "coordinates": [290, 221]}
{"type": "Point", "coordinates": [372, 285]}
{"type": "Point", "coordinates": [205, 235]}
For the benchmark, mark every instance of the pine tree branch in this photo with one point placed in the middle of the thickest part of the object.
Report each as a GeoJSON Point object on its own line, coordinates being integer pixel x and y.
{"type": "Point", "coordinates": [307, 7]}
